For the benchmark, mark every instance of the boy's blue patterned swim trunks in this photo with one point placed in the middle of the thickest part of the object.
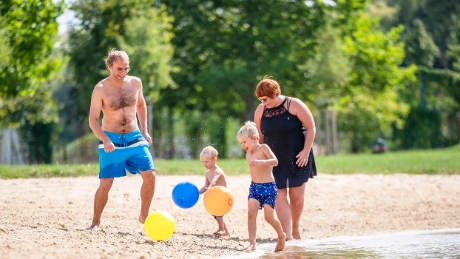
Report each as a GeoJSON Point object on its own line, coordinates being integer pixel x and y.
{"type": "Point", "coordinates": [264, 193]}
{"type": "Point", "coordinates": [131, 153]}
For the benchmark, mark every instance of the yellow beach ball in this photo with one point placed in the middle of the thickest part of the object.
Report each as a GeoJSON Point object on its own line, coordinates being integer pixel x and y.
{"type": "Point", "coordinates": [218, 200]}
{"type": "Point", "coordinates": [159, 225]}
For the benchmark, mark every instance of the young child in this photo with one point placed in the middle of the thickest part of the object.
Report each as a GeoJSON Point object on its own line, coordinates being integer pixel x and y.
{"type": "Point", "coordinates": [262, 191]}
{"type": "Point", "coordinates": [214, 177]}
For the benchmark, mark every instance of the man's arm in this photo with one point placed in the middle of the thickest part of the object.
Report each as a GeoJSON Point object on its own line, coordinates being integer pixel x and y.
{"type": "Point", "coordinates": [93, 118]}
{"type": "Point", "coordinates": [142, 113]}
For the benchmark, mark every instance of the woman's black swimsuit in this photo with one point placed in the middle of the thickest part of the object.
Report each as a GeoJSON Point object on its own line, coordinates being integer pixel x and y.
{"type": "Point", "coordinates": [285, 135]}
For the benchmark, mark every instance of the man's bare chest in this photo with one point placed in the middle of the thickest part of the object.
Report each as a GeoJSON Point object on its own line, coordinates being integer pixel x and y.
{"type": "Point", "coordinates": [122, 98]}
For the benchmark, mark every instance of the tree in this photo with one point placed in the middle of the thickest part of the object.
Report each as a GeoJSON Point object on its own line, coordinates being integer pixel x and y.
{"type": "Point", "coordinates": [222, 48]}
{"type": "Point", "coordinates": [431, 35]}
{"type": "Point", "coordinates": [371, 103]}
{"type": "Point", "coordinates": [29, 36]}
{"type": "Point", "coordinates": [139, 27]}
{"type": "Point", "coordinates": [5, 48]}
{"type": "Point", "coordinates": [28, 32]}
{"type": "Point", "coordinates": [329, 71]}
{"type": "Point", "coordinates": [420, 48]}
{"type": "Point", "coordinates": [39, 125]}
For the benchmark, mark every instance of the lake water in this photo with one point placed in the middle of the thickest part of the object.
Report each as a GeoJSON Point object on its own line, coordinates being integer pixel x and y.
{"type": "Point", "coordinates": [414, 244]}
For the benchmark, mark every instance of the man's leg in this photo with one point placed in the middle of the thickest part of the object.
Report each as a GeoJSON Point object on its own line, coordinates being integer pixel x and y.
{"type": "Point", "coordinates": [147, 191]}
{"type": "Point", "coordinates": [100, 200]}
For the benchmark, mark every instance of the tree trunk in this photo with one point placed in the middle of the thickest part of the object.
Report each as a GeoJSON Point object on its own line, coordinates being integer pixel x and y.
{"type": "Point", "coordinates": [250, 108]}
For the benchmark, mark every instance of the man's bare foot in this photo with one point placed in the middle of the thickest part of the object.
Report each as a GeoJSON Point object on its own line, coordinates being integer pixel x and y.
{"type": "Point", "coordinates": [142, 219]}
{"type": "Point", "coordinates": [221, 233]}
{"type": "Point", "coordinates": [281, 242]}
{"type": "Point", "coordinates": [289, 238]}
{"type": "Point", "coordinates": [93, 227]}
{"type": "Point", "coordinates": [250, 248]}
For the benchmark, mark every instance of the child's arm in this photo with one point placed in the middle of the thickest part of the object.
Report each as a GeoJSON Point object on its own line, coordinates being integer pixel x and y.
{"type": "Point", "coordinates": [214, 180]}
{"type": "Point", "coordinates": [270, 158]}
{"type": "Point", "coordinates": [205, 187]}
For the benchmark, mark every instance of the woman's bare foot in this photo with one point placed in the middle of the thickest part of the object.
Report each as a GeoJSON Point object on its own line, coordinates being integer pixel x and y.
{"type": "Point", "coordinates": [280, 244]}
{"type": "Point", "coordinates": [296, 233]}
{"type": "Point", "coordinates": [250, 248]}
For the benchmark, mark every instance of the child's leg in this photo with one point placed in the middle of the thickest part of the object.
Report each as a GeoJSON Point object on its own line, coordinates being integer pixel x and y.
{"type": "Point", "coordinates": [269, 214]}
{"type": "Point", "coordinates": [223, 231]}
{"type": "Point", "coordinates": [218, 228]}
{"type": "Point", "coordinates": [253, 207]}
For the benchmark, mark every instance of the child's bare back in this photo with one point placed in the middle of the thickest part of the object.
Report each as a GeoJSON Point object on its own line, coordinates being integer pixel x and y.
{"type": "Point", "coordinates": [215, 176]}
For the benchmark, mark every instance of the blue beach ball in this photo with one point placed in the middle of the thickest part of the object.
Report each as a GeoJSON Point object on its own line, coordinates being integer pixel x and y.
{"type": "Point", "coordinates": [185, 195]}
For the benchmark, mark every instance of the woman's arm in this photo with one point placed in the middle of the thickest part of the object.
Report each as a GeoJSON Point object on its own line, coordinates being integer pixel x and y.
{"type": "Point", "coordinates": [305, 116]}
{"type": "Point", "coordinates": [257, 119]}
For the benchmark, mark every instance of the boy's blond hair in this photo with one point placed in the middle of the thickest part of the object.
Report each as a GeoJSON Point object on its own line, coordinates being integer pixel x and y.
{"type": "Point", "coordinates": [116, 55]}
{"type": "Point", "coordinates": [248, 130]}
{"type": "Point", "coordinates": [209, 151]}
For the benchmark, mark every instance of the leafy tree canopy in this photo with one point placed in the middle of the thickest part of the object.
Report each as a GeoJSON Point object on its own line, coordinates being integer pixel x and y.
{"type": "Point", "coordinates": [28, 37]}
{"type": "Point", "coordinates": [138, 27]}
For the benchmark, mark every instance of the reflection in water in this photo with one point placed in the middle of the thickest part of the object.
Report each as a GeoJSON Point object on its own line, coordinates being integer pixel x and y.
{"type": "Point", "coordinates": [421, 244]}
{"type": "Point", "coordinates": [298, 252]}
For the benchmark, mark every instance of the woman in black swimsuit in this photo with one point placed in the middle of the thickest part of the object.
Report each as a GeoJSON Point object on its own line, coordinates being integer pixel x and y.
{"type": "Point", "coordinates": [287, 126]}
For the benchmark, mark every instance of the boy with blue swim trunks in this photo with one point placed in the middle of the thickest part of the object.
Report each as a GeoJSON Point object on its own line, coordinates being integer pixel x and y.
{"type": "Point", "coordinates": [124, 145]}
{"type": "Point", "coordinates": [263, 190]}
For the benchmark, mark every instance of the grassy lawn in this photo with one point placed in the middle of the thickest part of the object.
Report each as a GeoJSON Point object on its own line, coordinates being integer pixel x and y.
{"type": "Point", "coordinates": [436, 161]}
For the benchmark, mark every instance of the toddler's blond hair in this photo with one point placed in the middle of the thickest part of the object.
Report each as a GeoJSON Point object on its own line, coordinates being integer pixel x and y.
{"type": "Point", "coordinates": [249, 130]}
{"type": "Point", "coordinates": [209, 151]}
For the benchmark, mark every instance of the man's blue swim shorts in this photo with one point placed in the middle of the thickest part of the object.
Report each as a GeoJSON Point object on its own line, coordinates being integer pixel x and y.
{"type": "Point", "coordinates": [131, 153]}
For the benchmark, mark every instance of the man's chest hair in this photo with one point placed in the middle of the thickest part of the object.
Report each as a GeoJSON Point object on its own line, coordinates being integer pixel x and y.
{"type": "Point", "coordinates": [121, 98]}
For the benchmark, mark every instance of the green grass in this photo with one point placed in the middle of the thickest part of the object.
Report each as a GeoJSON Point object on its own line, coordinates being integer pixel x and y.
{"type": "Point", "coordinates": [43, 171]}
{"type": "Point", "coordinates": [436, 161]}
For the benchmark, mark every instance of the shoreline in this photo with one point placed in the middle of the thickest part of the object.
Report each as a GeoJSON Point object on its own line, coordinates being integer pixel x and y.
{"type": "Point", "coordinates": [46, 217]}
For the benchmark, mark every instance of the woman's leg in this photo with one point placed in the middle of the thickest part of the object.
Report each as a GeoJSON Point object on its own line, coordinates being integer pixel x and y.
{"type": "Point", "coordinates": [283, 212]}
{"type": "Point", "coordinates": [296, 197]}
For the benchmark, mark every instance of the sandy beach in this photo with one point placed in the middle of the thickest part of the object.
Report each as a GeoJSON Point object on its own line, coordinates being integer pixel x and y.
{"type": "Point", "coordinates": [46, 218]}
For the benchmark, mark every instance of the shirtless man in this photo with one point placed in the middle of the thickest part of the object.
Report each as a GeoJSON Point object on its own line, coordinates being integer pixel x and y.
{"type": "Point", "coordinates": [122, 145]}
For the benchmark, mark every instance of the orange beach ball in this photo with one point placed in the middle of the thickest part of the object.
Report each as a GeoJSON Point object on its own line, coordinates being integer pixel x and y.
{"type": "Point", "coordinates": [218, 201]}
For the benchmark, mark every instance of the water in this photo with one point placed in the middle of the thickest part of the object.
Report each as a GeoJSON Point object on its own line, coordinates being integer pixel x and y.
{"type": "Point", "coordinates": [415, 244]}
